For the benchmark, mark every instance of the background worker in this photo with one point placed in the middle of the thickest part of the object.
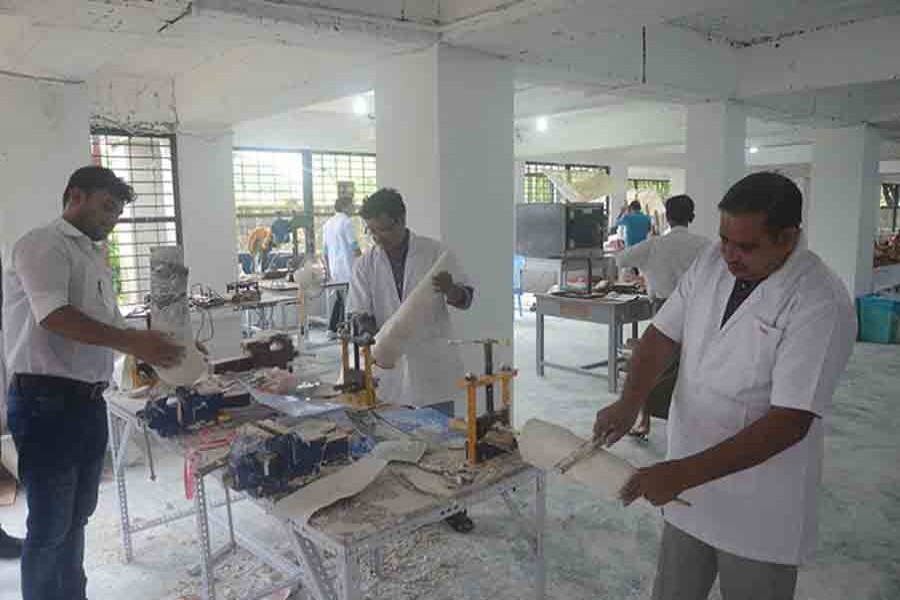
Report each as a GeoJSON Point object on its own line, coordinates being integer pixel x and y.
{"type": "Point", "coordinates": [340, 249]}
{"type": "Point", "coordinates": [61, 327]}
{"type": "Point", "coordinates": [382, 279]}
{"type": "Point", "coordinates": [663, 260]}
{"type": "Point", "coordinates": [635, 224]}
{"type": "Point", "coordinates": [764, 330]}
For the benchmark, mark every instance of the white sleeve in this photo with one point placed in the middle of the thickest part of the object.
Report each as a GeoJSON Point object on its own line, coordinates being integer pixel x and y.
{"type": "Point", "coordinates": [359, 299]}
{"type": "Point", "coordinates": [44, 270]}
{"type": "Point", "coordinates": [812, 354]}
{"type": "Point", "coordinates": [637, 256]}
{"type": "Point", "coordinates": [349, 234]}
{"type": "Point", "coordinates": [671, 317]}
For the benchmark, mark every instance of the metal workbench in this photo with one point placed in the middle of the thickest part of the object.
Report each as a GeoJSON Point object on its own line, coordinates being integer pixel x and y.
{"type": "Point", "coordinates": [612, 312]}
{"type": "Point", "coordinates": [329, 549]}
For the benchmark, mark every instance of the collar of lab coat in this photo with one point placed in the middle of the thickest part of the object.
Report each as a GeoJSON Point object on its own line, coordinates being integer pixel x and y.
{"type": "Point", "coordinates": [68, 229]}
{"type": "Point", "coordinates": [781, 282]}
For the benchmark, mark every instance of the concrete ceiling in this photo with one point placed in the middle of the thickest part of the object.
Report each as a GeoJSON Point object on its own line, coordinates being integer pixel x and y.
{"type": "Point", "coordinates": [220, 62]}
{"type": "Point", "coordinates": [766, 21]}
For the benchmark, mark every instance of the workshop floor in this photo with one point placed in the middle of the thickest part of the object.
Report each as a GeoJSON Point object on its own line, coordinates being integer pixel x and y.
{"type": "Point", "coordinates": [595, 548]}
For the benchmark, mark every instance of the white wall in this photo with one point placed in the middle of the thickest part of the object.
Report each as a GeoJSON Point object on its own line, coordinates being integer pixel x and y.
{"type": "Point", "coordinates": [206, 194]}
{"type": "Point", "coordinates": [44, 128]}
{"type": "Point", "coordinates": [311, 130]}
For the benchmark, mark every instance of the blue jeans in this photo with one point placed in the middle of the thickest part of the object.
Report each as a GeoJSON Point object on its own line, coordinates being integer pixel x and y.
{"type": "Point", "coordinates": [60, 431]}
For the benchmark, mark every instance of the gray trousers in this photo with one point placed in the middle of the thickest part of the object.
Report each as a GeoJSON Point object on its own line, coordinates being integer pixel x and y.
{"type": "Point", "coordinates": [688, 567]}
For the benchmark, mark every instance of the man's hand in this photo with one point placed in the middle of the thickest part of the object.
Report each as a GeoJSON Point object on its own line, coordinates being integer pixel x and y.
{"type": "Point", "coordinates": [614, 421]}
{"type": "Point", "coordinates": [659, 484]}
{"type": "Point", "coordinates": [155, 348]}
{"type": "Point", "coordinates": [443, 282]}
{"type": "Point", "coordinates": [201, 348]}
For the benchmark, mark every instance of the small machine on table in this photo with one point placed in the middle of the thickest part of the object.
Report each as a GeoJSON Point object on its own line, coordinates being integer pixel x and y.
{"type": "Point", "coordinates": [491, 433]}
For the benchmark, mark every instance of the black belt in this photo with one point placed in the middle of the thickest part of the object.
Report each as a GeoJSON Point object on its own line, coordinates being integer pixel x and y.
{"type": "Point", "coordinates": [49, 385]}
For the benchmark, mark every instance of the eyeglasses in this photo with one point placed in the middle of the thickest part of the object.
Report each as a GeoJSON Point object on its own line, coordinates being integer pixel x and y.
{"type": "Point", "coordinates": [380, 231]}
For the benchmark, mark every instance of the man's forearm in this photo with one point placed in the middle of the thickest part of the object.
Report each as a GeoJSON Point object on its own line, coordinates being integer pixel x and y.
{"type": "Point", "coordinates": [775, 432]}
{"type": "Point", "coordinates": [654, 353]}
{"type": "Point", "coordinates": [71, 323]}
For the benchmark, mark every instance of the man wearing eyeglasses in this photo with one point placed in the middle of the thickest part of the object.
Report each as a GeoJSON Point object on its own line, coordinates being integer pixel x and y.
{"type": "Point", "coordinates": [382, 279]}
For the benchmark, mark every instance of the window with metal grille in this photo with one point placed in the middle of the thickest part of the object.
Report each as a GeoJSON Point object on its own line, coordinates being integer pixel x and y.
{"type": "Point", "coordinates": [661, 186]}
{"type": "Point", "coordinates": [330, 168]}
{"type": "Point", "coordinates": [538, 188]}
{"type": "Point", "coordinates": [147, 163]}
{"type": "Point", "coordinates": [889, 208]}
{"type": "Point", "coordinates": [267, 184]}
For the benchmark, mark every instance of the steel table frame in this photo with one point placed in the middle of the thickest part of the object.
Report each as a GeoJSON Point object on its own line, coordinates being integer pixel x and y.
{"type": "Point", "coordinates": [123, 424]}
{"type": "Point", "coordinates": [614, 314]}
{"type": "Point", "coordinates": [341, 581]}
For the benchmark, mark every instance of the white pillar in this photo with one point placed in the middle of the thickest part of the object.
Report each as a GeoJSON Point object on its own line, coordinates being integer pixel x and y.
{"type": "Point", "coordinates": [444, 136]}
{"type": "Point", "coordinates": [677, 182]}
{"type": "Point", "coordinates": [618, 170]}
{"type": "Point", "coordinates": [206, 199]}
{"type": "Point", "coordinates": [45, 128]}
{"type": "Point", "coordinates": [715, 158]}
{"type": "Point", "coordinates": [206, 195]}
{"type": "Point", "coordinates": [843, 219]}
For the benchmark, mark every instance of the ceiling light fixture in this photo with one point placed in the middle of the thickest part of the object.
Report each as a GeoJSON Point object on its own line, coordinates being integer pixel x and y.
{"type": "Point", "coordinates": [360, 106]}
{"type": "Point", "coordinates": [541, 124]}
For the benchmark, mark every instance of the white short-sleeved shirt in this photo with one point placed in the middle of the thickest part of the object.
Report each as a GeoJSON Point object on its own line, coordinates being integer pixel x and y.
{"type": "Point", "coordinates": [52, 267]}
{"type": "Point", "coordinates": [664, 259]}
{"type": "Point", "coordinates": [340, 244]}
{"type": "Point", "coordinates": [786, 346]}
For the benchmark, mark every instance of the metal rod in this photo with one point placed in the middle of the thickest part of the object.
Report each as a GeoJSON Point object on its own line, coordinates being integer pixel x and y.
{"type": "Point", "coordinates": [489, 370]}
{"type": "Point", "coordinates": [471, 420]}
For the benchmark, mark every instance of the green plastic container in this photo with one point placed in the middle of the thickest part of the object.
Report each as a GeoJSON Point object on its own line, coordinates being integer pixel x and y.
{"type": "Point", "coordinates": [878, 319]}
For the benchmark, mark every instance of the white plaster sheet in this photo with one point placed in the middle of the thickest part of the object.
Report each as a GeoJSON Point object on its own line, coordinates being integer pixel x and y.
{"type": "Point", "coordinates": [393, 337]}
{"type": "Point", "coordinates": [349, 481]}
{"type": "Point", "coordinates": [544, 444]}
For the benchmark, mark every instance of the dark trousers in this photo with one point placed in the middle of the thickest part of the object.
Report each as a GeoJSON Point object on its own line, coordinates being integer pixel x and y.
{"type": "Point", "coordinates": [60, 430]}
{"type": "Point", "coordinates": [337, 311]}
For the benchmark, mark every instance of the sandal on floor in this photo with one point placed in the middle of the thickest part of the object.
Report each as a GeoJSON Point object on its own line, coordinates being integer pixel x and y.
{"type": "Point", "coordinates": [460, 522]}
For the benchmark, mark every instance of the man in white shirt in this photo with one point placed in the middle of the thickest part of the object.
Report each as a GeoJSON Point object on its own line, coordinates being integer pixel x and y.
{"type": "Point", "coordinates": [61, 325]}
{"type": "Point", "coordinates": [340, 249]}
{"type": "Point", "coordinates": [663, 260]}
{"type": "Point", "coordinates": [764, 330]}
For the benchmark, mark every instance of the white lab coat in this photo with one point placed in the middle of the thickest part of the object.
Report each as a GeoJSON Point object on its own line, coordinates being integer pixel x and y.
{"type": "Point", "coordinates": [787, 345]}
{"type": "Point", "coordinates": [664, 259]}
{"type": "Point", "coordinates": [428, 372]}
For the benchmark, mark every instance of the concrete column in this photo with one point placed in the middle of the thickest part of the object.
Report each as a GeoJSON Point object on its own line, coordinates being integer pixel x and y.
{"type": "Point", "coordinates": [715, 158]}
{"type": "Point", "coordinates": [45, 128]}
{"type": "Point", "coordinates": [677, 182]}
{"type": "Point", "coordinates": [206, 195]}
{"type": "Point", "coordinates": [618, 170]}
{"type": "Point", "coordinates": [843, 219]}
{"type": "Point", "coordinates": [444, 136]}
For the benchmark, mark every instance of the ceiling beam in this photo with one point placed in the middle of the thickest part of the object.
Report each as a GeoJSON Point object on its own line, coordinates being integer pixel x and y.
{"type": "Point", "coordinates": [861, 52]}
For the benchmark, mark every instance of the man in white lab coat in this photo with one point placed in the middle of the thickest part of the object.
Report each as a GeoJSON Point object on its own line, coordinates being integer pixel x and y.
{"type": "Point", "coordinates": [663, 260]}
{"type": "Point", "coordinates": [764, 330]}
{"type": "Point", "coordinates": [385, 276]}
{"type": "Point", "coordinates": [340, 249]}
